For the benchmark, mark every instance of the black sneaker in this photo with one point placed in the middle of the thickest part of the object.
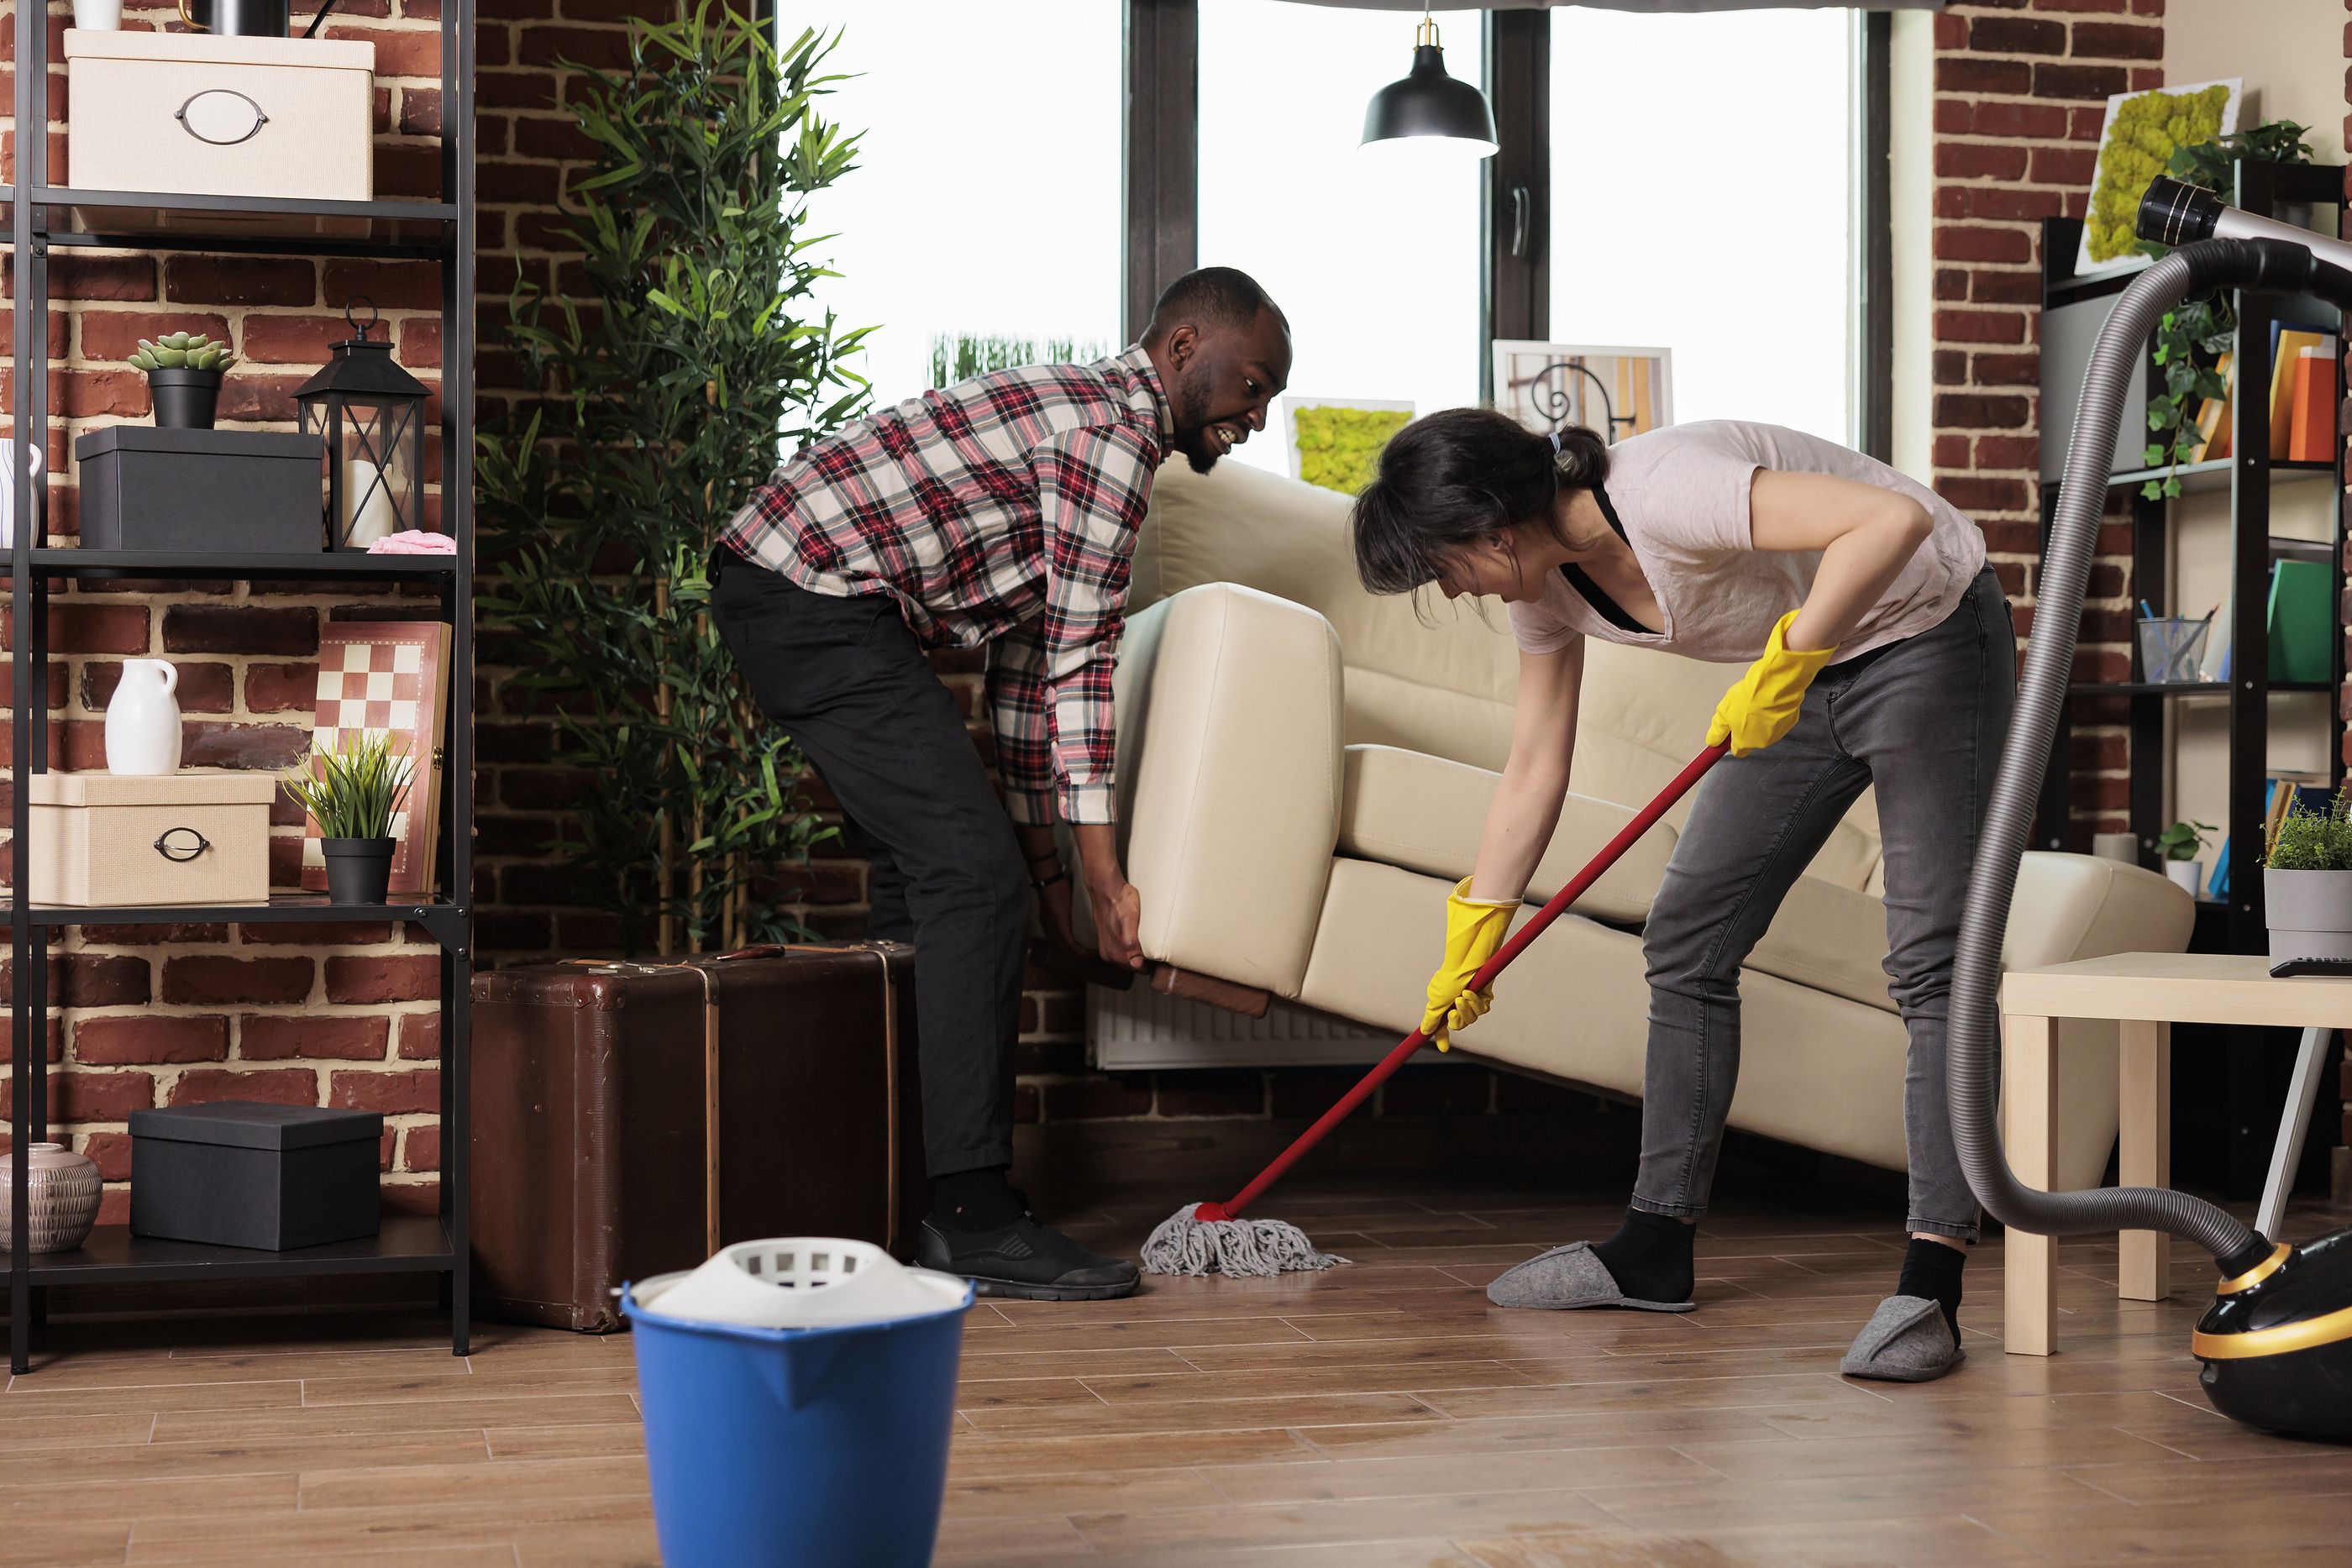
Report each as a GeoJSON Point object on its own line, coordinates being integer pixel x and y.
{"type": "Point", "coordinates": [1025, 1259]}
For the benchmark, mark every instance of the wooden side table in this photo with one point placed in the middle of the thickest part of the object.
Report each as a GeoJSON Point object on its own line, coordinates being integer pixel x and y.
{"type": "Point", "coordinates": [2145, 994]}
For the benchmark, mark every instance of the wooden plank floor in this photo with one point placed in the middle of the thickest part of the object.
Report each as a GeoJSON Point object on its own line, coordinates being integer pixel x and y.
{"type": "Point", "coordinates": [1380, 1415]}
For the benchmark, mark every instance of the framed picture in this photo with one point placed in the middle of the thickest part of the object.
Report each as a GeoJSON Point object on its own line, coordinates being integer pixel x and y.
{"type": "Point", "coordinates": [1616, 391]}
{"type": "Point", "coordinates": [389, 676]}
{"type": "Point", "coordinates": [1335, 442]}
{"type": "Point", "coordinates": [2135, 141]}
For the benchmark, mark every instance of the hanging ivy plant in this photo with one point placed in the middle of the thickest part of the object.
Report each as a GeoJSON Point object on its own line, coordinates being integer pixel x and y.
{"type": "Point", "coordinates": [2191, 340]}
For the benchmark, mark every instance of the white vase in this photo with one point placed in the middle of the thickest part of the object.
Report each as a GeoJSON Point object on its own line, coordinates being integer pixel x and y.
{"type": "Point", "coordinates": [2186, 875]}
{"type": "Point", "coordinates": [142, 722]}
{"type": "Point", "coordinates": [98, 16]}
{"type": "Point", "coordinates": [60, 1199]}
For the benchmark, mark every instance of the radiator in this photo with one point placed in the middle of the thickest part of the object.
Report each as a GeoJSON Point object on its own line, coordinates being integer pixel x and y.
{"type": "Point", "coordinates": [1139, 1028]}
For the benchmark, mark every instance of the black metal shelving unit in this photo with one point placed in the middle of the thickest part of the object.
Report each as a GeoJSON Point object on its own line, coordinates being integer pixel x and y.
{"type": "Point", "coordinates": [40, 218]}
{"type": "Point", "coordinates": [2252, 1064]}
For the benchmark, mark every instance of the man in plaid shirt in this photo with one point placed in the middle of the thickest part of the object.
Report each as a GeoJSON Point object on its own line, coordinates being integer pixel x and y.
{"type": "Point", "coordinates": [1000, 513]}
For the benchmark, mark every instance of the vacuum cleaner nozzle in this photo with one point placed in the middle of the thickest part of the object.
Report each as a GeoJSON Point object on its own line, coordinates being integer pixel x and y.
{"type": "Point", "coordinates": [2277, 1341]}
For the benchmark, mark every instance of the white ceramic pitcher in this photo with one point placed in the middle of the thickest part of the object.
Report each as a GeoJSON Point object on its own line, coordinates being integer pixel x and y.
{"type": "Point", "coordinates": [142, 722]}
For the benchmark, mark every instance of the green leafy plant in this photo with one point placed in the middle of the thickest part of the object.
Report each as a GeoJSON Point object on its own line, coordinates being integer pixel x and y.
{"type": "Point", "coordinates": [182, 351]}
{"type": "Point", "coordinates": [353, 791]}
{"type": "Point", "coordinates": [2191, 338]}
{"type": "Point", "coordinates": [2306, 840]}
{"type": "Point", "coordinates": [956, 357]}
{"type": "Point", "coordinates": [2181, 841]}
{"type": "Point", "coordinates": [701, 361]}
{"type": "Point", "coordinates": [1340, 447]}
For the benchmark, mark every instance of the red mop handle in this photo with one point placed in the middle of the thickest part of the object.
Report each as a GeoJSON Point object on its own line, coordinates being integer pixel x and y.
{"type": "Point", "coordinates": [1644, 820]}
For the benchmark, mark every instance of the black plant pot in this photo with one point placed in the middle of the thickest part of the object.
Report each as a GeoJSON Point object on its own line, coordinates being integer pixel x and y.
{"type": "Point", "coordinates": [184, 400]}
{"type": "Point", "coordinates": [359, 871]}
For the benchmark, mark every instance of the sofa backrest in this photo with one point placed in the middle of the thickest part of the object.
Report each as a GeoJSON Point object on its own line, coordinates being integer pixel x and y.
{"type": "Point", "coordinates": [1438, 677]}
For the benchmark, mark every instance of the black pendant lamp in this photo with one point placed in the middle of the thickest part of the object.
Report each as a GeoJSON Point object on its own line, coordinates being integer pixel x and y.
{"type": "Point", "coordinates": [1430, 106]}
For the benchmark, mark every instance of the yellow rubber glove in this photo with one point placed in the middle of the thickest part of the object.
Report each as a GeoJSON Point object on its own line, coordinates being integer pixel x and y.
{"type": "Point", "coordinates": [1762, 705]}
{"type": "Point", "coordinates": [1474, 929]}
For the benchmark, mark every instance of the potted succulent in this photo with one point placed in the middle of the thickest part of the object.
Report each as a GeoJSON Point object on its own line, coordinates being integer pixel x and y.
{"type": "Point", "coordinates": [2308, 884]}
{"type": "Point", "coordinates": [2179, 846]}
{"type": "Point", "coordinates": [351, 793]}
{"type": "Point", "coordinates": [183, 372]}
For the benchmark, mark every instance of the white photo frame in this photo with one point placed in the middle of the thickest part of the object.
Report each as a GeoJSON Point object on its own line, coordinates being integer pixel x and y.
{"type": "Point", "coordinates": [2131, 261]}
{"type": "Point", "coordinates": [1618, 391]}
{"type": "Point", "coordinates": [1293, 404]}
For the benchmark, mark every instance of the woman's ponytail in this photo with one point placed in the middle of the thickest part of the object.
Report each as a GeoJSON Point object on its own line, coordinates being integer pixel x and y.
{"type": "Point", "coordinates": [1458, 477]}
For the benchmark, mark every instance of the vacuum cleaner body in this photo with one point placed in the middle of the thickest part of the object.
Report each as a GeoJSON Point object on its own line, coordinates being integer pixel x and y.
{"type": "Point", "coordinates": [2277, 1341]}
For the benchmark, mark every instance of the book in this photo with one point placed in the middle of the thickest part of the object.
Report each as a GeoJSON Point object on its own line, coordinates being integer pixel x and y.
{"type": "Point", "coordinates": [2287, 344]}
{"type": "Point", "coordinates": [388, 676]}
{"type": "Point", "coordinates": [2301, 621]}
{"type": "Point", "coordinates": [2311, 437]}
{"type": "Point", "coordinates": [2213, 418]}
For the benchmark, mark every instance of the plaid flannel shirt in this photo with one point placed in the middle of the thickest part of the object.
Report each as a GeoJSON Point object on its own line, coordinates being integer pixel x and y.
{"type": "Point", "coordinates": [1000, 511]}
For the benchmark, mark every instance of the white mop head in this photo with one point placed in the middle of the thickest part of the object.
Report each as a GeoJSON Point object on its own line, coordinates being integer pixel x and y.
{"type": "Point", "coordinates": [1237, 1248]}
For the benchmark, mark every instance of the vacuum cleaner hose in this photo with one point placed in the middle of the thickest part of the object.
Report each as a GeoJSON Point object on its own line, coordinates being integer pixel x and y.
{"type": "Point", "coordinates": [2266, 262]}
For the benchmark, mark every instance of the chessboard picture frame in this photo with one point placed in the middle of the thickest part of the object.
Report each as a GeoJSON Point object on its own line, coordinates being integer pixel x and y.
{"type": "Point", "coordinates": [391, 676]}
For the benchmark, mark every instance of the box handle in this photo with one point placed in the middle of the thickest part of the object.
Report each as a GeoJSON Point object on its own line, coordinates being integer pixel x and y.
{"type": "Point", "coordinates": [182, 851]}
{"type": "Point", "coordinates": [221, 117]}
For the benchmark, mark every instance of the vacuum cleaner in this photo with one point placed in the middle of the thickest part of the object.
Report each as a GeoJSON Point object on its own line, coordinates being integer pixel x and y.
{"type": "Point", "coordinates": [2276, 1346]}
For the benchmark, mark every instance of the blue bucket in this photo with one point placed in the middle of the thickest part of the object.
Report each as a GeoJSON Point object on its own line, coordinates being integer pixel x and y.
{"type": "Point", "coordinates": [817, 1448]}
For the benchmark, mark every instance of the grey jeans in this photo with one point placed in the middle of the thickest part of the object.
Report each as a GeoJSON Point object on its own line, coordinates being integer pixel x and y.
{"type": "Point", "coordinates": [1923, 720]}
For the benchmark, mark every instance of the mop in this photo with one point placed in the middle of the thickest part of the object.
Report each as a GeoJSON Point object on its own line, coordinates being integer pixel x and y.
{"type": "Point", "coordinates": [1199, 1237]}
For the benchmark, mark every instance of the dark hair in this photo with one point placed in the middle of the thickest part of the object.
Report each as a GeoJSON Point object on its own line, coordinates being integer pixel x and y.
{"type": "Point", "coordinates": [1454, 477]}
{"type": "Point", "coordinates": [1212, 297]}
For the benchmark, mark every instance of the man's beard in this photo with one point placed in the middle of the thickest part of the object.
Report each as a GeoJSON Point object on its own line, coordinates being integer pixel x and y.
{"type": "Point", "coordinates": [1189, 408]}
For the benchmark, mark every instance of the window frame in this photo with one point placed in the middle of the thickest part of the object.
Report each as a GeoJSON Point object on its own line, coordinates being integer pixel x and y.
{"type": "Point", "coordinates": [1162, 189]}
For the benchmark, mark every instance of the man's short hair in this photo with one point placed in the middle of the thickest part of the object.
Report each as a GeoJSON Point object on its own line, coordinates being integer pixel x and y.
{"type": "Point", "coordinates": [1212, 297]}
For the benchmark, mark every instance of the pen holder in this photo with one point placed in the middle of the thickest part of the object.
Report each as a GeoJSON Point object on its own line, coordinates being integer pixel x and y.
{"type": "Point", "coordinates": [2170, 649]}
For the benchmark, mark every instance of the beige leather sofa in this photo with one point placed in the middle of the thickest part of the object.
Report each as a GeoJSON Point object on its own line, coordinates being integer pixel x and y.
{"type": "Point", "coordinates": [1304, 770]}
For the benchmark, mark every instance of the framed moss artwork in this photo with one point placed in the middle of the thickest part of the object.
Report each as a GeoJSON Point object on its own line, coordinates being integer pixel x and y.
{"type": "Point", "coordinates": [2135, 143]}
{"type": "Point", "coordinates": [1335, 442]}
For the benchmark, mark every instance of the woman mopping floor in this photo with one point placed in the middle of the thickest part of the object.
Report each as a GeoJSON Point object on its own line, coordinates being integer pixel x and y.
{"type": "Point", "coordinates": [1882, 655]}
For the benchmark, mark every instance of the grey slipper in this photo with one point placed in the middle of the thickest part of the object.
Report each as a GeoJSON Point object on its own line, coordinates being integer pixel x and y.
{"type": "Point", "coordinates": [1907, 1339]}
{"type": "Point", "coordinates": [1567, 1278]}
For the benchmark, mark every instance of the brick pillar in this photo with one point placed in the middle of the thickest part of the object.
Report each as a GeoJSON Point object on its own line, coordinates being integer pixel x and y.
{"type": "Point", "coordinates": [2020, 90]}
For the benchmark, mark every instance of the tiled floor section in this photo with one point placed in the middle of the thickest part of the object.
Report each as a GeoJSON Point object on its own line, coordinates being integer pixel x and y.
{"type": "Point", "coordinates": [1378, 1417]}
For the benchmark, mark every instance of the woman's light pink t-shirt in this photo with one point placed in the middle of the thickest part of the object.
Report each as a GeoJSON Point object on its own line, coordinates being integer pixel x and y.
{"type": "Point", "coordinates": [1681, 495]}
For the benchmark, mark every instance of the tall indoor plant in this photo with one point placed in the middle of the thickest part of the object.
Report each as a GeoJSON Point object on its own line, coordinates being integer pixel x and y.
{"type": "Point", "coordinates": [665, 396]}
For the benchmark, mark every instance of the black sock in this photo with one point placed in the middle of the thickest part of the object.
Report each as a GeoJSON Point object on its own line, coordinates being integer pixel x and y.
{"type": "Point", "coordinates": [1932, 1269]}
{"type": "Point", "coordinates": [1650, 1256]}
{"type": "Point", "coordinates": [974, 1200]}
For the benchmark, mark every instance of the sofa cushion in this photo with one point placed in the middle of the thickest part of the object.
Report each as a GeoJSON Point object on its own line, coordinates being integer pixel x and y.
{"type": "Point", "coordinates": [1425, 813]}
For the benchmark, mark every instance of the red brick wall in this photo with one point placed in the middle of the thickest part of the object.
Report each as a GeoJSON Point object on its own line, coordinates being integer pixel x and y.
{"type": "Point", "coordinates": [333, 1015]}
{"type": "Point", "coordinates": [2020, 90]}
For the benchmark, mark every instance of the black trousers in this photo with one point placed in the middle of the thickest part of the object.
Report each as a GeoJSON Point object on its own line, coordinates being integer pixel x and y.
{"type": "Point", "coordinates": [846, 678]}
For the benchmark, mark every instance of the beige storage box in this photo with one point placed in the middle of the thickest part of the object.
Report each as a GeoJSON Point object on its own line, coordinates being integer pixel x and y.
{"type": "Point", "coordinates": [188, 113]}
{"type": "Point", "coordinates": [173, 838]}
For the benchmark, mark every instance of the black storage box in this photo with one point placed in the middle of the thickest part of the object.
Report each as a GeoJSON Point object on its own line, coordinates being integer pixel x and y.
{"type": "Point", "coordinates": [243, 1174]}
{"type": "Point", "coordinates": [218, 491]}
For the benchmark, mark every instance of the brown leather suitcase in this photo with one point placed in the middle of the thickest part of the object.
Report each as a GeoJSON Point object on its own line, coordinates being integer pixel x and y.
{"type": "Point", "coordinates": [630, 1119]}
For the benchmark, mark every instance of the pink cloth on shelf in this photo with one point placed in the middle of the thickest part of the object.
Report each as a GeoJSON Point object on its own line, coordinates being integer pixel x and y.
{"type": "Point", "coordinates": [413, 541]}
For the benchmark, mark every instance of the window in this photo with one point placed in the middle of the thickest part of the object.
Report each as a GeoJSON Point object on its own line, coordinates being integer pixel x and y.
{"type": "Point", "coordinates": [986, 202]}
{"type": "Point", "coordinates": [1373, 253]}
{"type": "Point", "coordinates": [1701, 182]}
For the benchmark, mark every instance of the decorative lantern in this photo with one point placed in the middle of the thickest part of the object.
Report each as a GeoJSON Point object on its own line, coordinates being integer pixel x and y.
{"type": "Point", "coordinates": [371, 416]}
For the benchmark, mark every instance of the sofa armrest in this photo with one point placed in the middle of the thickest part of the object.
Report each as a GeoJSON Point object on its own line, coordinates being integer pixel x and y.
{"type": "Point", "coordinates": [1229, 730]}
{"type": "Point", "coordinates": [2079, 906]}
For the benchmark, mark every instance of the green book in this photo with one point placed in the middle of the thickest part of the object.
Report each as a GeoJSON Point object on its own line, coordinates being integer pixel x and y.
{"type": "Point", "coordinates": [2301, 619]}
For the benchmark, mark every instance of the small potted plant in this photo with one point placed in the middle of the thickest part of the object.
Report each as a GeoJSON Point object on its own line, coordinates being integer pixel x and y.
{"type": "Point", "coordinates": [352, 793]}
{"type": "Point", "coordinates": [183, 372]}
{"type": "Point", "coordinates": [2179, 846]}
{"type": "Point", "coordinates": [2308, 886]}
